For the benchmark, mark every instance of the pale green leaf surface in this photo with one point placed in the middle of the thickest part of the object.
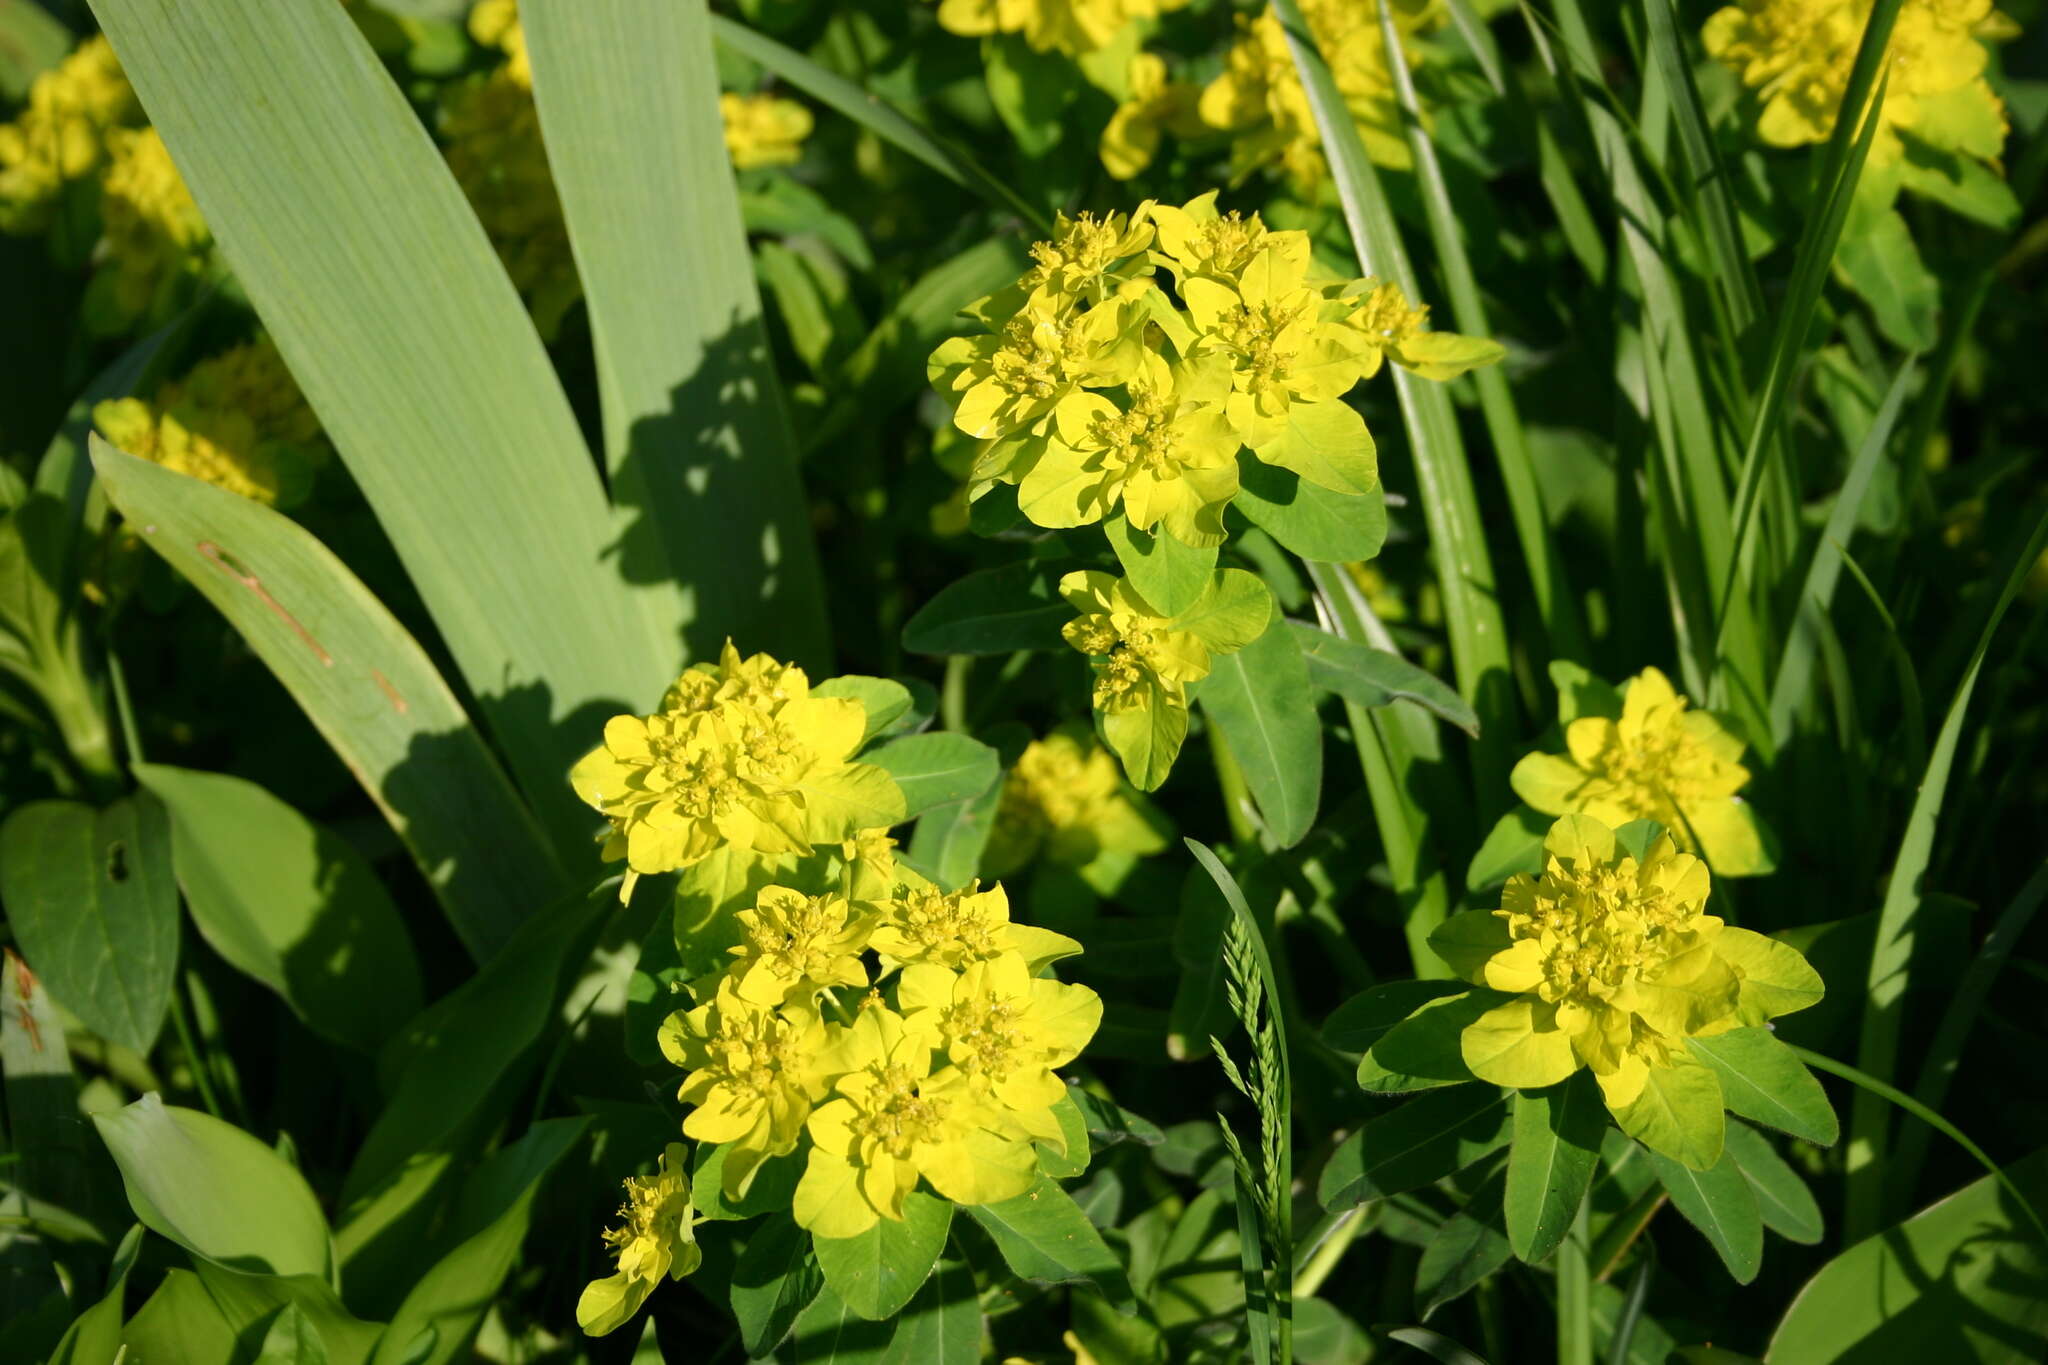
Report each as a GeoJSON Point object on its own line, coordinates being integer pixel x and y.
{"type": "Point", "coordinates": [1259, 700]}
{"type": "Point", "coordinates": [1721, 1204]}
{"type": "Point", "coordinates": [876, 1273]}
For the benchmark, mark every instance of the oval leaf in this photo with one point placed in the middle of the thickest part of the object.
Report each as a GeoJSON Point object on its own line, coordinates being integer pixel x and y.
{"type": "Point", "coordinates": [876, 1273]}
{"type": "Point", "coordinates": [1259, 699]}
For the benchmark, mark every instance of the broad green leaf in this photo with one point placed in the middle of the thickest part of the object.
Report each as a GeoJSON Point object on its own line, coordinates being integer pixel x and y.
{"type": "Point", "coordinates": [1959, 182]}
{"type": "Point", "coordinates": [1787, 1205]}
{"type": "Point", "coordinates": [330, 202]}
{"type": "Point", "coordinates": [1147, 738]}
{"type": "Point", "coordinates": [489, 1223]}
{"type": "Point", "coordinates": [1365, 1018]}
{"type": "Point", "coordinates": [1046, 1239]}
{"type": "Point", "coordinates": [949, 840]}
{"type": "Point", "coordinates": [1556, 1149]}
{"type": "Point", "coordinates": [215, 1190]}
{"type": "Point", "coordinates": [292, 1339]}
{"type": "Point", "coordinates": [773, 1183]}
{"type": "Point", "coordinates": [1877, 259]}
{"type": "Point", "coordinates": [179, 1321]}
{"type": "Point", "coordinates": [1167, 573]}
{"type": "Point", "coordinates": [883, 699]}
{"type": "Point", "coordinates": [94, 1337]}
{"type": "Point", "coordinates": [1377, 677]}
{"type": "Point", "coordinates": [1326, 444]}
{"type": "Point", "coordinates": [1514, 844]}
{"type": "Point", "coordinates": [996, 611]}
{"type": "Point", "coordinates": [1678, 1115]}
{"type": "Point", "coordinates": [1959, 1280]}
{"type": "Point", "coordinates": [876, 1273]}
{"type": "Point", "coordinates": [251, 1304]}
{"type": "Point", "coordinates": [697, 439]}
{"type": "Point", "coordinates": [93, 904]}
{"type": "Point", "coordinates": [1466, 1248]}
{"type": "Point", "coordinates": [1308, 519]}
{"type": "Point", "coordinates": [830, 1333]}
{"type": "Point", "coordinates": [1259, 699]}
{"type": "Point", "coordinates": [775, 1280]}
{"type": "Point", "coordinates": [1073, 1160]}
{"type": "Point", "coordinates": [942, 1325]}
{"type": "Point", "coordinates": [938, 768]}
{"type": "Point", "coordinates": [366, 685]}
{"type": "Point", "coordinates": [1424, 1140]}
{"type": "Point", "coordinates": [1763, 1081]}
{"type": "Point", "coordinates": [289, 903]}
{"type": "Point", "coordinates": [59, 1160]}
{"type": "Point", "coordinates": [31, 42]}
{"type": "Point", "coordinates": [1109, 1123]}
{"type": "Point", "coordinates": [1030, 90]}
{"type": "Point", "coordinates": [1720, 1203]}
{"type": "Point", "coordinates": [1425, 1050]}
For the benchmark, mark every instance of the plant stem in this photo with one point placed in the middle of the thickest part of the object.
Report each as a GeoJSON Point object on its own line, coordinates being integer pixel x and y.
{"type": "Point", "coordinates": [1237, 797]}
{"type": "Point", "coordinates": [1574, 1298]}
{"type": "Point", "coordinates": [194, 1057]}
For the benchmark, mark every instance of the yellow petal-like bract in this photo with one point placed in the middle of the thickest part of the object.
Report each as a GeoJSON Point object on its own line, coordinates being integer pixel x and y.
{"type": "Point", "coordinates": [653, 1239]}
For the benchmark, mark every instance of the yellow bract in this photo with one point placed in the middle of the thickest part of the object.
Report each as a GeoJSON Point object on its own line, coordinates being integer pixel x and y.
{"type": "Point", "coordinates": [741, 755]}
{"type": "Point", "coordinates": [1797, 55]}
{"type": "Point", "coordinates": [62, 134]}
{"type": "Point", "coordinates": [754, 1073]}
{"type": "Point", "coordinates": [236, 420]}
{"type": "Point", "coordinates": [1654, 758]}
{"type": "Point", "coordinates": [762, 130]}
{"type": "Point", "coordinates": [1612, 962]}
{"type": "Point", "coordinates": [1070, 26]}
{"type": "Point", "coordinates": [797, 945]}
{"type": "Point", "coordinates": [1143, 660]}
{"type": "Point", "coordinates": [654, 1239]}
{"type": "Point", "coordinates": [1064, 799]}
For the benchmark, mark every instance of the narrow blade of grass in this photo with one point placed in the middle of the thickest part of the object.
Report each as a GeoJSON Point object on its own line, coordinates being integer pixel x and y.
{"type": "Point", "coordinates": [1891, 955]}
{"type": "Point", "coordinates": [1479, 651]}
{"type": "Point", "coordinates": [697, 437]}
{"type": "Point", "coordinates": [357, 249]}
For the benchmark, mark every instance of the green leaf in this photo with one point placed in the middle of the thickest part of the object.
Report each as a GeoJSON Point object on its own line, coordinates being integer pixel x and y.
{"type": "Point", "coordinates": [366, 685]}
{"type": "Point", "coordinates": [1259, 699]}
{"type": "Point", "coordinates": [94, 1337]}
{"type": "Point", "coordinates": [996, 611]}
{"type": "Point", "coordinates": [1424, 1140]}
{"type": "Point", "coordinates": [1029, 89]}
{"type": "Point", "coordinates": [773, 1183]}
{"type": "Point", "coordinates": [31, 42]}
{"type": "Point", "coordinates": [1787, 1205]}
{"type": "Point", "coordinates": [949, 840]}
{"type": "Point", "coordinates": [488, 1225]}
{"type": "Point", "coordinates": [1109, 1123]}
{"type": "Point", "coordinates": [1466, 1248]}
{"type": "Point", "coordinates": [697, 437]}
{"type": "Point", "coordinates": [1763, 1081]}
{"type": "Point", "coordinates": [1312, 521]}
{"type": "Point", "coordinates": [1365, 1018]}
{"type": "Point", "coordinates": [775, 1280]}
{"type": "Point", "coordinates": [215, 1190]}
{"type": "Point", "coordinates": [93, 904]}
{"type": "Point", "coordinates": [936, 769]}
{"type": "Point", "coordinates": [1377, 677]}
{"type": "Point", "coordinates": [1326, 444]}
{"type": "Point", "coordinates": [1166, 572]}
{"type": "Point", "coordinates": [1877, 259]}
{"type": "Point", "coordinates": [1960, 1280]}
{"type": "Point", "coordinates": [1678, 1114]}
{"type": "Point", "coordinates": [883, 699]}
{"type": "Point", "coordinates": [1514, 844]}
{"type": "Point", "coordinates": [292, 1339]}
{"type": "Point", "coordinates": [1046, 1239]}
{"type": "Point", "coordinates": [1720, 1203]}
{"type": "Point", "coordinates": [876, 1273]}
{"type": "Point", "coordinates": [289, 903]}
{"type": "Point", "coordinates": [942, 1325]}
{"type": "Point", "coordinates": [60, 1162]}
{"type": "Point", "coordinates": [1425, 1050]}
{"type": "Point", "coordinates": [1958, 182]}
{"type": "Point", "coordinates": [179, 1322]}
{"type": "Point", "coordinates": [1073, 1161]}
{"type": "Point", "coordinates": [830, 1333]}
{"type": "Point", "coordinates": [250, 1304]}
{"type": "Point", "coordinates": [369, 268]}
{"type": "Point", "coordinates": [1556, 1149]}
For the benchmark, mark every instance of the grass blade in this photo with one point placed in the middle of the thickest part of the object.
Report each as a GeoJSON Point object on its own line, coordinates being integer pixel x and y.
{"type": "Point", "coordinates": [1877, 1049]}
{"type": "Point", "coordinates": [365, 684]}
{"type": "Point", "coordinates": [1478, 635]}
{"type": "Point", "coordinates": [372, 274]}
{"type": "Point", "coordinates": [697, 437]}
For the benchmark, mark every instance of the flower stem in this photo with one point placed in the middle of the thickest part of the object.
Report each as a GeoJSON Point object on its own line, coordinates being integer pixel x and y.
{"type": "Point", "coordinates": [1574, 1298]}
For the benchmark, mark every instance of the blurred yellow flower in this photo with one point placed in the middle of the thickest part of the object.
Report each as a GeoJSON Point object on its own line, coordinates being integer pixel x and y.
{"type": "Point", "coordinates": [153, 237]}
{"type": "Point", "coordinates": [763, 130]}
{"type": "Point", "coordinates": [1797, 55]}
{"type": "Point", "coordinates": [1074, 27]}
{"type": "Point", "coordinates": [495, 23]}
{"type": "Point", "coordinates": [891, 1121]}
{"type": "Point", "coordinates": [1066, 801]}
{"type": "Point", "coordinates": [1612, 963]}
{"type": "Point", "coordinates": [654, 1239]}
{"type": "Point", "coordinates": [1143, 661]}
{"type": "Point", "coordinates": [1646, 755]}
{"type": "Point", "coordinates": [1157, 106]}
{"type": "Point", "coordinates": [61, 135]}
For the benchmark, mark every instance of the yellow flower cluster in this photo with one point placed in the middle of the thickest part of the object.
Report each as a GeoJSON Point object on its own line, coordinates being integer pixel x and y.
{"type": "Point", "coordinates": [763, 130]}
{"type": "Point", "coordinates": [236, 420]}
{"type": "Point", "coordinates": [740, 755]}
{"type": "Point", "coordinates": [654, 1238]}
{"type": "Point", "coordinates": [1643, 753]}
{"type": "Point", "coordinates": [1609, 961]}
{"type": "Point", "coordinates": [1259, 98]}
{"type": "Point", "coordinates": [1074, 27]}
{"type": "Point", "coordinates": [935, 1063]}
{"type": "Point", "coordinates": [1797, 55]}
{"type": "Point", "coordinates": [153, 237]}
{"type": "Point", "coordinates": [62, 135]}
{"type": "Point", "coordinates": [1065, 801]}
